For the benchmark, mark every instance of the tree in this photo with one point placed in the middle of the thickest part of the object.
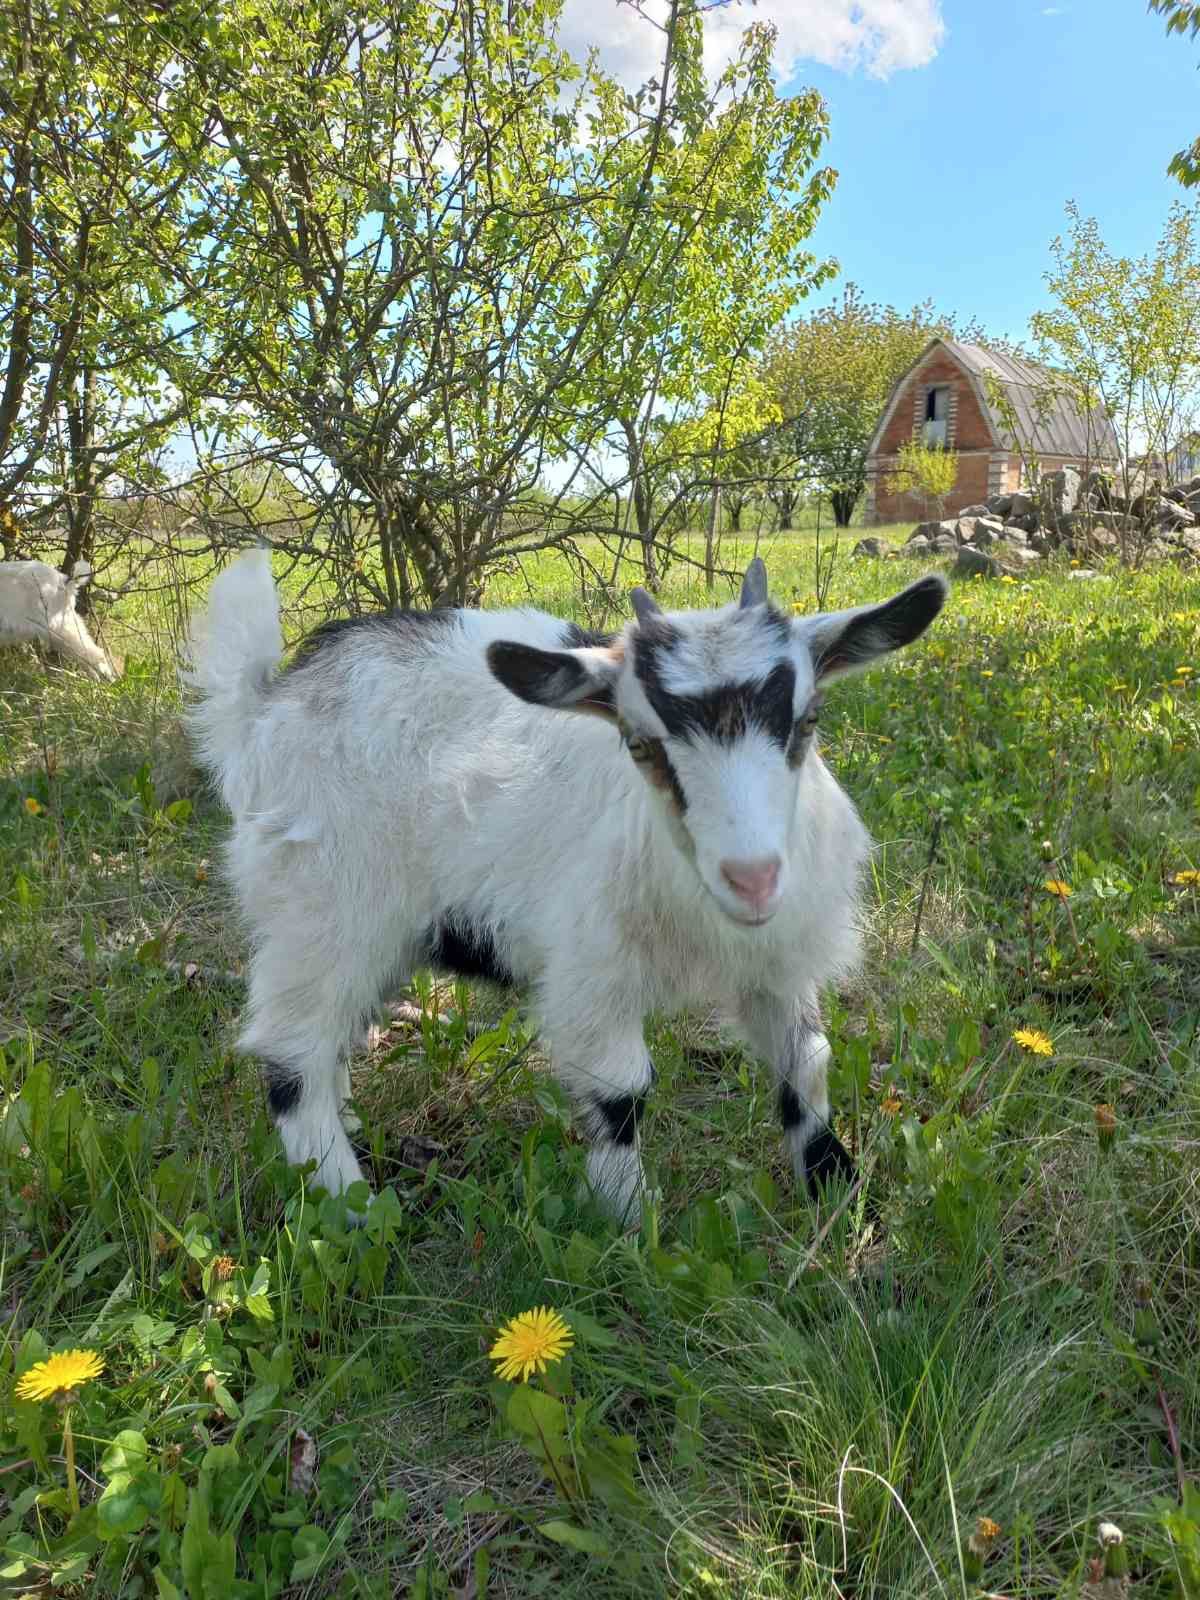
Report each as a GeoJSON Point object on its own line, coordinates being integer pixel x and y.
{"type": "Point", "coordinates": [831, 374]}
{"type": "Point", "coordinates": [1124, 335]}
{"type": "Point", "coordinates": [91, 370]}
{"type": "Point", "coordinates": [736, 196]}
{"type": "Point", "coordinates": [1183, 16]}
{"type": "Point", "coordinates": [446, 253]}
{"type": "Point", "coordinates": [926, 470]}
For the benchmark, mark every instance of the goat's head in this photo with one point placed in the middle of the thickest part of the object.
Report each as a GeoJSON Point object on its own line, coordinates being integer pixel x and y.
{"type": "Point", "coordinates": [717, 709]}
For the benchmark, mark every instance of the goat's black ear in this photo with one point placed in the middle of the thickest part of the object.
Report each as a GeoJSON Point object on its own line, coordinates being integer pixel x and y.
{"type": "Point", "coordinates": [848, 641]}
{"type": "Point", "coordinates": [566, 680]}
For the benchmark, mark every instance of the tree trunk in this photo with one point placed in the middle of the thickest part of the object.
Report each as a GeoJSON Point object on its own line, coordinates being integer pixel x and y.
{"type": "Point", "coordinates": [843, 502]}
{"type": "Point", "coordinates": [81, 495]}
{"type": "Point", "coordinates": [710, 535]}
{"type": "Point", "coordinates": [643, 504]}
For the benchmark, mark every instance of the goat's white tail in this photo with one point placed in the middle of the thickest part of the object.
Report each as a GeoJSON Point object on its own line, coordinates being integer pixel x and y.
{"type": "Point", "coordinates": [233, 652]}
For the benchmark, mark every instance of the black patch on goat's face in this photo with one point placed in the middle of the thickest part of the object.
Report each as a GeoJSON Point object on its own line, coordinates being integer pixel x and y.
{"type": "Point", "coordinates": [284, 1087]}
{"type": "Point", "coordinates": [468, 950]}
{"type": "Point", "coordinates": [726, 712]}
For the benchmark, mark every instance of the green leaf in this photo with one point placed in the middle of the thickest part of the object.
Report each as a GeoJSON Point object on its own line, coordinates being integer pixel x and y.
{"type": "Point", "coordinates": [576, 1538]}
{"type": "Point", "coordinates": [128, 1452]}
{"type": "Point", "coordinates": [128, 1501]}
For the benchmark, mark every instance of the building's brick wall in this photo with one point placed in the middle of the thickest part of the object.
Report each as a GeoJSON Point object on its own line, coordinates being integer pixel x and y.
{"type": "Point", "coordinates": [983, 469]}
{"type": "Point", "coordinates": [968, 429]}
{"type": "Point", "coordinates": [970, 488]}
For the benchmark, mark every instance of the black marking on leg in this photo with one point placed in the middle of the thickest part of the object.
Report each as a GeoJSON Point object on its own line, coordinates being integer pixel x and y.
{"type": "Point", "coordinates": [284, 1088]}
{"type": "Point", "coordinates": [621, 1113]}
{"type": "Point", "coordinates": [826, 1158]}
{"type": "Point", "coordinates": [468, 950]}
{"type": "Point", "coordinates": [792, 1113]}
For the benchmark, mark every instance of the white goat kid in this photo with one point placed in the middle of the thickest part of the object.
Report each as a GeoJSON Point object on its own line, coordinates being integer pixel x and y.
{"type": "Point", "coordinates": [37, 606]}
{"type": "Point", "coordinates": [626, 824]}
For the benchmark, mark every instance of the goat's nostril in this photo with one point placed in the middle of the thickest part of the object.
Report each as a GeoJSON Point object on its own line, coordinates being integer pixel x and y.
{"type": "Point", "coordinates": [754, 880]}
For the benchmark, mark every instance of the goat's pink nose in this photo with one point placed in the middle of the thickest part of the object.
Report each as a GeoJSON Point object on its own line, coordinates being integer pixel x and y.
{"type": "Point", "coordinates": [755, 881]}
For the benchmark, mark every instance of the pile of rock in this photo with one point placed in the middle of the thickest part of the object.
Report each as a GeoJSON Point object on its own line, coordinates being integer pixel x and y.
{"type": "Point", "coordinates": [1066, 513]}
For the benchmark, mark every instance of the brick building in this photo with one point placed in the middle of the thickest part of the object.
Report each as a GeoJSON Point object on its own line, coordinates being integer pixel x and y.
{"type": "Point", "coordinates": [945, 398]}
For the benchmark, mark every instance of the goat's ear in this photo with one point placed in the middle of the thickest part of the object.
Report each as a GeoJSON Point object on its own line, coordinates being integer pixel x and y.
{"type": "Point", "coordinates": [848, 641]}
{"type": "Point", "coordinates": [569, 680]}
{"type": "Point", "coordinates": [81, 573]}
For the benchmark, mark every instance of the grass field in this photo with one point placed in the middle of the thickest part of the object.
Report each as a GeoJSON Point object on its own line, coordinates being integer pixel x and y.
{"type": "Point", "coordinates": [760, 1401]}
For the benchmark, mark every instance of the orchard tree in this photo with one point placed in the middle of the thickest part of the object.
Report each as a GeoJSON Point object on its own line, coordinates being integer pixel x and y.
{"type": "Point", "coordinates": [831, 373]}
{"type": "Point", "coordinates": [720, 259]}
{"type": "Point", "coordinates": [1123, 335]}
{"type": "Point", "coordinates": [92, 370]}
{"type": "Point", "coordinates": [436, 249]}
{"type": "Point", "coordinates": [1183, 16]}
{"type": "Point", "coordinates": [928, 471]}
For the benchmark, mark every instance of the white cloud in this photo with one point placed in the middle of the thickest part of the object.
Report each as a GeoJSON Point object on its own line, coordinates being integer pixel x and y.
{"type": "Point", "coordinates": [876, 36]}
{"type": "Point", "coordinates": [1053, 11]}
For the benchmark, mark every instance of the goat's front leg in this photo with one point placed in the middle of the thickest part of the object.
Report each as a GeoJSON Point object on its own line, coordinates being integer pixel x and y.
{"type": "Point", "coordinates": [786, 1032]}
{"type": "Point", "coordinates": [607, 1074]}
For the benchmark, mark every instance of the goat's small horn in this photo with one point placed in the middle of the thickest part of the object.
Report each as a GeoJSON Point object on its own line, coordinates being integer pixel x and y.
{"type": "Point", "coordinates": [754, 584]}
{"type": "Point", "coordinates": [645, 605]}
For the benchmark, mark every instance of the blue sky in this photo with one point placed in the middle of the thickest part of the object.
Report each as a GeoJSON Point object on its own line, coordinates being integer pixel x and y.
{"type": "Point", "coordinates": [954, 174]}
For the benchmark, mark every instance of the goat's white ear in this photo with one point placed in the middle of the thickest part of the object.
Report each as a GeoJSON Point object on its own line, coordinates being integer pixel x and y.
{"type": "Point", "coordinates": [82, 573]}
{"type": "Point", "coordinates": [567, 680]}
{"type": "Point", "coordinates": [848, 641]}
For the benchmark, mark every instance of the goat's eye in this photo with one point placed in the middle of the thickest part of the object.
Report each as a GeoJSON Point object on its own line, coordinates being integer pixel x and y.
{"type": "Point", "coordinates": [640, 749]}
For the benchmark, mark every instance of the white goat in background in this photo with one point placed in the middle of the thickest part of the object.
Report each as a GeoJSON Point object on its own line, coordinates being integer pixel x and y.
{"type": "Point", "coordinates": [628, 824]}
{"type": "Point", "coordinates": [37, 606]}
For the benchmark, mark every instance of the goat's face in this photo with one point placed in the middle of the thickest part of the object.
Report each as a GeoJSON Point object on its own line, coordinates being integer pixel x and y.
{"type": "Point", "coordinates": [718, 710]}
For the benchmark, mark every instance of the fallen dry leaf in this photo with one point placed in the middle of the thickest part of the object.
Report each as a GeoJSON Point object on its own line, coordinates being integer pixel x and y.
{"type": "Point", "coordinates": [302, 1463]}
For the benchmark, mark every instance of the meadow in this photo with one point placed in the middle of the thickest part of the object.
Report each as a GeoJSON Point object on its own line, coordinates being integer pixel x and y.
{"type": "Point", "coordinates": [941, 1385]}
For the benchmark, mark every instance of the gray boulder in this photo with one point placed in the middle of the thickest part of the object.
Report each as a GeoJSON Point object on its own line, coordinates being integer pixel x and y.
{"type": "Point", "coordinates": [870, 547]}
{"type": "Point", "coordinates": [918, 548]}
{"type": "Point", "coordinates": [1059, 492]}
{"type": "Point", "coordinates": [975, 563]}
{"type": "Point", "coordinates": [988, 531]}
{"type": "Point", "coordinates": [1015, 533]}
{"type": "Point", "coordinates": [1000, 504]}
{"type": "Point", "coordinates": [1172, 515]}
{"type": "Point", "coordinates": [974, 511]}
{"type": "Point", "coordinates": [944, 545]}
{"type": "Point", "coordinates": [1020, 504]}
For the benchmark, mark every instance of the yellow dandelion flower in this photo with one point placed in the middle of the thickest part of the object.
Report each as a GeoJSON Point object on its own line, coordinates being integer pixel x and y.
{"type": "Point", "coordinates": [530, 1342]}
{"type": "Point", "coordinates": [1184, 671]}
{"type": "Point", "coordinates": [1007, 579]}
{"type": "Point", "coordinates": [1189, 877]}
{"type": "Point", "coordinates": [60, 1375]}
{"type": "Point", "coordinates": [34, 807]}
{"type": "Point", "coordinates": [890, 1105]}
{"type": "Point", "coordinates": [797, 608]}
{"type": "Point", "coordinates": [1058, 887]}
{"type": "Point", "coordinates": [984, 673]}
{"type": "Point", "coordinates": [1033, 1040]}
{"type": "Point", "coordinates": [1177, 683]}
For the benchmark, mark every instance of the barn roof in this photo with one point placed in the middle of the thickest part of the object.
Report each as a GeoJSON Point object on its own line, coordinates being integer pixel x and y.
{"type": "Point", "coordinates": [1048, 421]}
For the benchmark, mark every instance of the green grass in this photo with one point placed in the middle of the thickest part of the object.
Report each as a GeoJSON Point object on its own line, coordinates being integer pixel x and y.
{"type": "Point", "coordinates": [760, 1401]}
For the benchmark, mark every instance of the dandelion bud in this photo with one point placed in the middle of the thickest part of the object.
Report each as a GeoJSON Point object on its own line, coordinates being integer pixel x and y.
{"type": "Point", "coordinates": [1106, 1125]}
{"type": "Point", "coordinates": [979, 1547]}
{"type": "Point", "coordinates": [1116, 1552]}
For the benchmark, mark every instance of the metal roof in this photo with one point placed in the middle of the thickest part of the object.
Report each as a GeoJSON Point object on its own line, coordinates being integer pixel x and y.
{"type": "Point", "coordinates": [1048, 421]}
